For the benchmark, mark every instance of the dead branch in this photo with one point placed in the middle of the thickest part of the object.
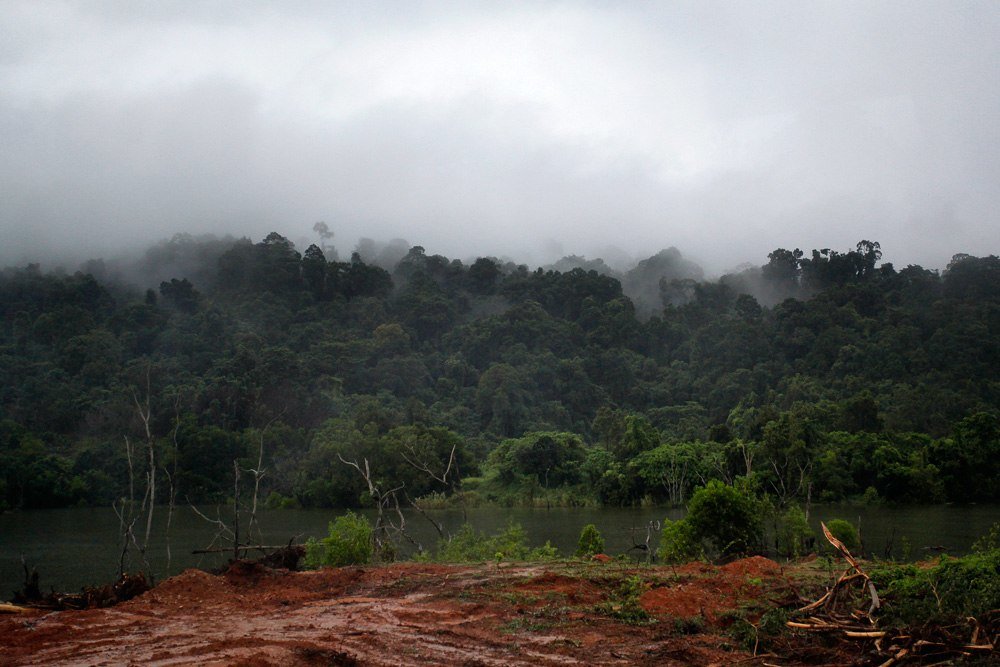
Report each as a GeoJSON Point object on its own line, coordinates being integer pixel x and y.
{"type": "Point", "coordinates": [424, 514]}
{"type": "Point", "coordinates": [423, 467]}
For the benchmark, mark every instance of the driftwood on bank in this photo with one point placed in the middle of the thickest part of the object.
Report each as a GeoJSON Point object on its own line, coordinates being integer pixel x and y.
{"type": "Point", "coordinates": [127, 587]}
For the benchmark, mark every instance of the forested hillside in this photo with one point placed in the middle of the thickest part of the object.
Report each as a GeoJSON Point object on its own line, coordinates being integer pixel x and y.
{"type": "Point", "coordinates": [821, 376]}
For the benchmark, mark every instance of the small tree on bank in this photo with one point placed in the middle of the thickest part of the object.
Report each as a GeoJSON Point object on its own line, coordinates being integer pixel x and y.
{"type": "Point", "coordinates": [590, 543]}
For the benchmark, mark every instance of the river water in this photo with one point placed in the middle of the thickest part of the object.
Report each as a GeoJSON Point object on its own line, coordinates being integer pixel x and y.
{"type": "Point", "coordinates": [75, 547]}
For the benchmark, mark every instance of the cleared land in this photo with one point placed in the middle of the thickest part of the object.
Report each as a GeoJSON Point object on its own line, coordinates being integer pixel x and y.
{"type": "Point", "coordinates": [411, 613]}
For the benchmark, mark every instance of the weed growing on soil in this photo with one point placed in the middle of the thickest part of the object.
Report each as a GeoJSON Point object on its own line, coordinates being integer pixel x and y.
{"type": "Point", "coordinates": [624, 604]}
{"type": "Point", "coordinates": [521, 624]}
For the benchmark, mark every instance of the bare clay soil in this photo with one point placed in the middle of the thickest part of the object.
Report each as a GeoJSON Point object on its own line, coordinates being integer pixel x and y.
{"type": "Point", "coordinates": [561, 613]}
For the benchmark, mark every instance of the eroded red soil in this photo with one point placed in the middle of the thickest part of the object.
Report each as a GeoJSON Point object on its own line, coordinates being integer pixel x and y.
{"type": "Point", "coordinates": [402, 614]}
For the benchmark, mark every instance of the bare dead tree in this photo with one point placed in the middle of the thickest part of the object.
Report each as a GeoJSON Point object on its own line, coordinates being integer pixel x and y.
{"type": "Point", "coordinates": [651, 527]}
{"type": "Point", "coordinates": [414, 460]}
{"type": "Point", "coordinates": [384, 527]}
{"type": "Point", "coordinates": [144, 412]}
{"type": "Point", "coordinates": [236, 509]}
{"type": "Point", "coordinates": [258, 476]}
{"type": "Point", "coordinates": [125, 510]}
{"type": "Point", "coordinates": [171, 473]}
{"type": "Point", "coordinates": [241, 533]}
{"type": "Point", "coordinates": [223, 531]}
{"type": "Point", "coordinates": [411, 456]}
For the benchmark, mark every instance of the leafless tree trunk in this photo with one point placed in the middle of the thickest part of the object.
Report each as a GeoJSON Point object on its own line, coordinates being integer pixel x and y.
{"type": "Point", "coordinates": [125, 510]}
{"type": "Point", "coordinates": [383, 526]}
{"type": "Point", "coordinates": [258, 475]}
{"type": "Point", "coordinates": [172, 474]}
{"type": "Point", "coordinates": [236, 509]}
{"type": "Point", "coordinates": [149, 498]}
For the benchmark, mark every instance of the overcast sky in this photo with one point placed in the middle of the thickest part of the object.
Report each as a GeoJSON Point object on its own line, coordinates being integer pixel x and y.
{"type": "Point", "coordinates": [529, 129]}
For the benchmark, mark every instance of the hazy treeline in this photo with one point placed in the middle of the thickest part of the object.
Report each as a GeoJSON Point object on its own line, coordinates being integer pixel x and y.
{"type": "Point", "coordinates": [823, 376]}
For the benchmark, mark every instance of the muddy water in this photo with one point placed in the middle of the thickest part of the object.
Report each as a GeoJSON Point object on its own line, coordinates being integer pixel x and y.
{"type": "Point", "coordinates": [81, 546]}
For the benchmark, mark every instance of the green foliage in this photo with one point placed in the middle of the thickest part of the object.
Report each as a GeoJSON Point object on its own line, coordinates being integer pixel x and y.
{"type": "Point", "coordinates": [471, 546]}
{"type": "Point", "coordinates": [845, 531]}
{"type": "Point", "coordinates": [678, 542]}
{"type": "Point", "coordinates": [728, 519]}
{"type": "Point", "coordinates": [590, 542]}
{"type": "Point", "coordinates": [583, 387]}
{"type": "Point", "coordinates": [544, 552]}
{"type": "Point", "coordinates": [793, 532]}
{"type": "Point", "coordinates": [623, 604]}
{"type": "Point", "coordinates": [349, 543]}
{"type": "Point", "coordinates": [277, 501]}
{"type": "Point", "coordinates": [946, 593]}
{"type": "Point", "coordinates": [546, 458]}
{"type": "Point", "coordinates": [988, 542]}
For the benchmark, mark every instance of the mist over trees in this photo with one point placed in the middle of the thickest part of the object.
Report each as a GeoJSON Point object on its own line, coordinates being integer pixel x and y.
{"type": "Point", "coordinates": [824, 375]}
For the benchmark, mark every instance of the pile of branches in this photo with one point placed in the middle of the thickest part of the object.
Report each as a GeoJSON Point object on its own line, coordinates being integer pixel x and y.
{"type": "Point", "coordinates": [836, 612]}
{"type": "Point", "coordinates": [127, 587]}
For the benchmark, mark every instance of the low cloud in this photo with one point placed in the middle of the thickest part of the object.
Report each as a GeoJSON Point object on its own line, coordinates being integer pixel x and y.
{"type": "Point", "coordinates": [722, 129]}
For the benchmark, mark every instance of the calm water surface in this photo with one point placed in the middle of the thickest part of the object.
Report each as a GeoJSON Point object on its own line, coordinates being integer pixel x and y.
{"type": "Point", "coordinates": [75, 547]}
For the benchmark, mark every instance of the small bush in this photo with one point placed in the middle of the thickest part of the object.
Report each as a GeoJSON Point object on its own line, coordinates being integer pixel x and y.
{"type": "Point", "coordinates": [727, 518]}
{"type": "Point", "coordinates": [277, 501]}
{"type": "Point", "coordinates": [846, 533]}
{"type": "Point", "coordinates": [545, 552]}
{"type": "Point", "coordinates": [590, 542]}
{"type": "Point", "coordinates": [349, 543]}
{"type": "Point", "coordinates": [793, 532]}
{"type": "Point", "coordinates": [678, 543]}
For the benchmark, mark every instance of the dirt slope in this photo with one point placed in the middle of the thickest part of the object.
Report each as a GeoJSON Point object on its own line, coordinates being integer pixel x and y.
{"type": "Point", "coordinates": [409, 613]}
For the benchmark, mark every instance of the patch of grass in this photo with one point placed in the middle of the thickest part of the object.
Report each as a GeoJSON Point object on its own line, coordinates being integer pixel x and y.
{"type": "Point", "coordinates": [522, 624]}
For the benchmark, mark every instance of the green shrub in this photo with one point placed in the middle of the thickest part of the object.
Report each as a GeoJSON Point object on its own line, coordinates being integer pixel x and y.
{"type": "Point", "coordinates": [590, 542]}
{"type": "Point", "coordinates": [947, 593]}
{"type": "Point", "coordinates": [349, 543]}
{"type": "Point", "coordinates": [544, 552]}
{"type": "Point", "coordinates": [470, 546]}
{"type": "Point", "coordinates": [846, 533]}
{"type": "Point", "coordinates": [277, 501]}
{"type": "Point", "coordinates": [678, 543]}
{"type": "Point", "coordinates": [793, 532]}
{"type": "Point", "coordinates": [727, 518]}
{"type": "Point", "coordinates": [988, 542]}
{"type": "Point", "coordinates": [624, 603]}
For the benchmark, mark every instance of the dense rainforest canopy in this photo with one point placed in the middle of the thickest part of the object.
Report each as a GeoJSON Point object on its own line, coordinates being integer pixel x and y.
{"type": "Point", "coordinates": [825, 376]}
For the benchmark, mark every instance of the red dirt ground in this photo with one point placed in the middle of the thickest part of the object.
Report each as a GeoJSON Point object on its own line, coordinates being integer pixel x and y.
{"type": "Point", "coordinates": [404, 614]}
